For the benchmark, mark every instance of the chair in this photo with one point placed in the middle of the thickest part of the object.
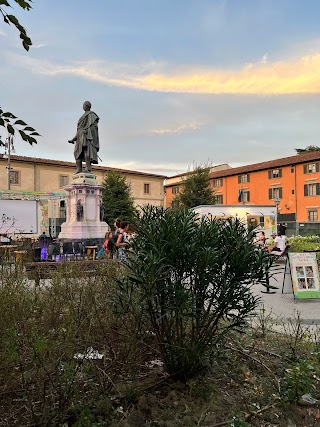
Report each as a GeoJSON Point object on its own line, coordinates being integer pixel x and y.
{"type": "Point", "coordinates": [37, 254]}
{"type": "Point", "coordinates": [53, 252]}
{"type": "Point", "coordinates": [78, 250]}
{"type": "Point", "coordinates": [278, 263]}
{"type": "Point", "coordinates": [67, 251]}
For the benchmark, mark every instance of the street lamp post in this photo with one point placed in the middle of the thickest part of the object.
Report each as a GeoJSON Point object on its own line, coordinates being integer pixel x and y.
{"type": "Point", "coordinates": [9, 148]}
{"type": "Point", "coordinates": [268, 287]}
{"type": "Point", "coordinates": [277, 203]}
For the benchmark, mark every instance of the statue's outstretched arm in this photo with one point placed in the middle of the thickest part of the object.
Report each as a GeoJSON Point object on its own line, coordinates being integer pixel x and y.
{"type": "Point", "coordinates": [73, 140]}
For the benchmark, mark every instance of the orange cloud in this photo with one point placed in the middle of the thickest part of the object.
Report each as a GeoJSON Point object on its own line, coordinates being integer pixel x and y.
{"type": "Point", "coordinates": [301, 75]}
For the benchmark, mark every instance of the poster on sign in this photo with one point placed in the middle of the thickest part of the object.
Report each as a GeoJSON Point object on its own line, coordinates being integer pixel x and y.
{"type": "Point", "coordinates": [305, 275]}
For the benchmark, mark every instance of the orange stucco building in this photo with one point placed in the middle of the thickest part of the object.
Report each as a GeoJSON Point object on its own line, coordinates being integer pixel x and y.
{"type": "Point", "coordinates": [293, 182]}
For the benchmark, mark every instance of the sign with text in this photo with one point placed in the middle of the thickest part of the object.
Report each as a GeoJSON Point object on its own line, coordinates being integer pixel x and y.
{"type": "Point", "coordinates": [305, 275]}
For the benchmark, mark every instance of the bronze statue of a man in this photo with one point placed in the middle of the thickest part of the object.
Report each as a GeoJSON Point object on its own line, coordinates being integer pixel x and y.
{"type": "Point", "coordinates": [86, 139]}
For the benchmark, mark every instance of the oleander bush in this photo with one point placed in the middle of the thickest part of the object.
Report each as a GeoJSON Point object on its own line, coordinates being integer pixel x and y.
{"type": "Point", "coordinates": [193, 278]}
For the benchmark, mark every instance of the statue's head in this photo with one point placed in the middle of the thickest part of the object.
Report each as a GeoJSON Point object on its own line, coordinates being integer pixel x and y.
{"type": "Point", "coordinates": [86, 105]}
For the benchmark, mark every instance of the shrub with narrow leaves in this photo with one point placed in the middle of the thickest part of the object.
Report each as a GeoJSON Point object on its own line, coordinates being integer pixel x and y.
{"type": "Point", "coordinates": [192, 277]}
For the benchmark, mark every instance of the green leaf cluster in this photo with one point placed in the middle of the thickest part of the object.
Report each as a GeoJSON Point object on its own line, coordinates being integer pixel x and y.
{"type": "Point", "coordinates": [117, 199]}
{"type": "Point", "coordinates": [12, 20]}
{"type": "Point", "coordinates": [195, 190]}
{"type": "Point", "coordinates": [7, 119]}
{"type": "Point", "coordinates": [298, 380]}
{"type": "Point", "coordinates": [193, 281]}
{"type": "Point", "coordinates": [13, 125]}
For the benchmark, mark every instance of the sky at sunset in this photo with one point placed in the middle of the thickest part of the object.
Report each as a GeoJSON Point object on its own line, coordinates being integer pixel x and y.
{"type": "Point", "coordinates": [174, 82]}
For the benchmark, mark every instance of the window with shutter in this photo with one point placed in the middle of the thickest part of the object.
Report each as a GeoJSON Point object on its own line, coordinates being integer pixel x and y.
{"type": "Point", "coordinates": [218, 199]}
{"type": "Point", "coordinates": [243, 178]}
{"type": "Point", "coordinates": [313, 215]}
{"type": "Point", "coordinates": [14, 177]}
{"type": "Point", "coordinates": [175, 189]}
{"type": "Point", "coordinates": [311, 168]}
{"type": "Point", "coordinates": [146, 188]}
{"type": "Point", "coordinates": [312, 189]}
{"type": "Point", "coordinates": [275, 193]}
{"type": "Point", "coordinates": [63, 180]}
{"type": "Point", "coordinates": [275, 173]}
{"type": "Point", "coordinates": [217, 183]}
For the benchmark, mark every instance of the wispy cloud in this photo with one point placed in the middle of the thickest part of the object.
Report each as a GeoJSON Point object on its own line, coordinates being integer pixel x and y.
{"type": "Point", "coordinates": [156, 168]}
{"type": "Point", "coordinates": [298, 75]}
{"type": "Point", "coordinates": [38, 46]}
{"type": "Point", "coordinates": [174, 130]}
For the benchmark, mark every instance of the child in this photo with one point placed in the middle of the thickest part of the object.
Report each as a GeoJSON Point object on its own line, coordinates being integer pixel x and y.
{"type": "Point", "coordinates": [107, 245]}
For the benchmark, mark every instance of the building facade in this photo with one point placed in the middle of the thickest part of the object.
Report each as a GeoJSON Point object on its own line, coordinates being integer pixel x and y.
{"type": "Point", "coordinates": [44, 180]}
{"type": "Point", "coordinates": [293, 183]}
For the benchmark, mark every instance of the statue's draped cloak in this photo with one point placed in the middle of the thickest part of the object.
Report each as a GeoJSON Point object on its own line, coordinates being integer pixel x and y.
{"type": "Point", "coordinates": [87, 122]}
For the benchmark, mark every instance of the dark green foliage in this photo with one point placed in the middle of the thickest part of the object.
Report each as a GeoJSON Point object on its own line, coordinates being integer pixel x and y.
{"type": "Point", "coordinates": [195, 190]}
{"type": "Point", "coordinates": [12, 20]}
{"type": "Point", "coordinates": [298, 380]}
{"type": "Point", "coordinates": [117, 199]}
{"type": "Point", "coordinates": [307, 149]}
{"type": "Point", "coordinates": [193, 279]}
{"type": "Point", "coordinates": [7, 119]}
{"type": "Point", "coordinates": [12, 124]}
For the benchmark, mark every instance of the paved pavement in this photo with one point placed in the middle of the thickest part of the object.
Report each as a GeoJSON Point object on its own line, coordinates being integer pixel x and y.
{"type": "Point", "coordinates": [284, 306]}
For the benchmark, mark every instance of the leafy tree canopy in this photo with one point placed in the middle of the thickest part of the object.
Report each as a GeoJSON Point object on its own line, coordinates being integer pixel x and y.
{"type": "Point", "coordinates": [8, 120]}
{"type": "Point", "coordinates": [195, 189]}
{"type": "Point", "coordinates": [307, 149]}
{"type": "Point", "coordinates": [117, 198]}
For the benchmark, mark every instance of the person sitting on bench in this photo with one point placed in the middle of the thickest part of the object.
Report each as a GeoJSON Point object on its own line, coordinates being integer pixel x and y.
{"type": "Point", "coordinates": [279, 244]}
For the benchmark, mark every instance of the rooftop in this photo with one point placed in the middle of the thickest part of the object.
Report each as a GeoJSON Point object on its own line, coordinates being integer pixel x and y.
{"type": "Point", "coordinates": [271, 164]}
{"type": "Point", "coordinates": [72, 164]}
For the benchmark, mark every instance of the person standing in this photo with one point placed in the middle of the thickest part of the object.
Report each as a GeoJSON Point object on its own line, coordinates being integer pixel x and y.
{"type": "Point", "coordinates": [122, 242]}
{"type": "Point", "coordinates": [86, 139]}
{"type": "Point", "coordinates": [282, 229]}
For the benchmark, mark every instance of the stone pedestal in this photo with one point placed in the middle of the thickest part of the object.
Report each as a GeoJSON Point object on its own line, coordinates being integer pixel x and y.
{"type": "Point", "coordinates": [83, 209]}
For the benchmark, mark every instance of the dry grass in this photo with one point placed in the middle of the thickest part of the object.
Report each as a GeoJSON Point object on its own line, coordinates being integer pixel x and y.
{"type": "Point", "coordinates": [43, 384]}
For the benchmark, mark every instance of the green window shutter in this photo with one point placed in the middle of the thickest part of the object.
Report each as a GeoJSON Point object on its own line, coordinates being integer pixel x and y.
{"type": "Point", "coordinates": [305, 168]}
{"type": "Point", "coordinates": [239, 179]}
{"type": "Point", "coordinates": [248, 176]}
{"type": "Point", "coordinates": [270, 193]}
{"type": "Point", "coordinates": [248, 196]}
{"type": "Point", "coordinates": [317, 167]}
{"type": "Point", "coordinates": [280, 193]}
{"type": "Point", "coordinates": [280, 173]}
{"type": "Point", "coordinates": [318, 189]}
{"type": "Point", "coordinates": [270, 174]}
{"type": "Point", "coordinates": [305, 187]}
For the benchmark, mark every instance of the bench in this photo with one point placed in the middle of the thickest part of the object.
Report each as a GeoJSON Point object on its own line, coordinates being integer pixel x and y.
{"type": "Point", "coordinates": [46, 269]}
{"type": "Point", "coordinates": [280, 256]}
